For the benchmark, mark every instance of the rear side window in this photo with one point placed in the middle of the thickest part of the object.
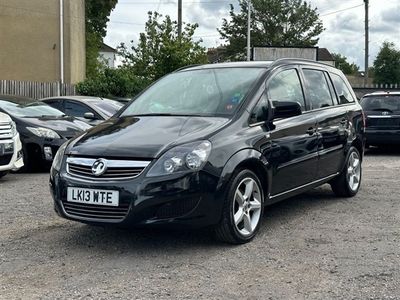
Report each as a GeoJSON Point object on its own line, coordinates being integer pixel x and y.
{"type": "Point", "coordinates": [342, 90]}
{"type": "Point", "coordinates": [286, 86]}
{"type": "Point", "coordinates": [317, 89]}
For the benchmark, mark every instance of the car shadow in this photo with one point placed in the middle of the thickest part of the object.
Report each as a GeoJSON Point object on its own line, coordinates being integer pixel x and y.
{"type": "Point", "coordinates": [153, 239]}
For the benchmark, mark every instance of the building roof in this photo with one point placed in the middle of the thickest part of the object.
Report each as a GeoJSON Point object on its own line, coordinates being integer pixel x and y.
{"type": "Point", "coordinates": [324, 55]}
{"type": "Point", "coordinates": [106, 48]}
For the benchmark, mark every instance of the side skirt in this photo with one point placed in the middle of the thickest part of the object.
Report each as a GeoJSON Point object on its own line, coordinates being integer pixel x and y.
{"type": "Point", "coordinates": [299, 190]}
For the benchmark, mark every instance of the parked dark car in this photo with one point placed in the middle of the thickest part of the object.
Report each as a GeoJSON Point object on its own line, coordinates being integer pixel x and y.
{"type": "Point", "coordinates": [382, 112]}
{"type": "Point", "coordinates": [92, 110]}
{"type": "Point", "coordinates": [42, 129]}
{"type": "Point", "coordinates": [212, 145]}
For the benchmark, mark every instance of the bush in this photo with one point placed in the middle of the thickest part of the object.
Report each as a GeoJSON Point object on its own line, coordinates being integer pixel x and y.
{"type": "Point", "coordinates": [108, 82]}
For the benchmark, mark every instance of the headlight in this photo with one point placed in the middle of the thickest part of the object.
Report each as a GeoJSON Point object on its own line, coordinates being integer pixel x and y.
{"type": "Point", "coordinates": [44, 132]}
{"type": "Point", "coordinates": [188, 157]}
{"type": "Point", "coordinates": [13, 129]}
{"type": "Point", "coordinates": [57, 161]}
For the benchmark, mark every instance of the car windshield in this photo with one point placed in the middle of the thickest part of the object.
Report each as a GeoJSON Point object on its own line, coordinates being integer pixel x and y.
{"type": "Point", "coordinates": [389, 103]}
{"type": "Point", "coordinates": [108, 107]}
{"type": "Point", "coordinates": [29, 110]}
{"type": "Point", "coordinates": [211, 92]}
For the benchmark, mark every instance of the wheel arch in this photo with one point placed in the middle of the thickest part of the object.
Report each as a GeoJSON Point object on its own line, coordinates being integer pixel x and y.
{"type": "Point", "coordinates": [358, 144]}
{"type": "Point", "coordinates": [249, 159]}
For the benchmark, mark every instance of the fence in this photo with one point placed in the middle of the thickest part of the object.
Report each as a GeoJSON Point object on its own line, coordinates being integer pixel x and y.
{"type": "Point", "coordinates": [36, 90]}
{"type": "Point", "coordinates": [385, 86]}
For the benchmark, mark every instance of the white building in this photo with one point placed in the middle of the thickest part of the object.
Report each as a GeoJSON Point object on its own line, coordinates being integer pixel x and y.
{"type": "Point", "coordinates": [107, 55]}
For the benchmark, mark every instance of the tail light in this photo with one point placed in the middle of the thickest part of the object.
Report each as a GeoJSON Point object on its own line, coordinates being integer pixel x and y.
{"type": "Point", "coordinates": [364, 119]}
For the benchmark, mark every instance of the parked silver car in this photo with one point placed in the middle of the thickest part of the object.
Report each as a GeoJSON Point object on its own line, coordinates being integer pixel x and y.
{"type": "Point", "coordinates": [11, 157]}
{"type": "Point", "coordinates": [92, 110]}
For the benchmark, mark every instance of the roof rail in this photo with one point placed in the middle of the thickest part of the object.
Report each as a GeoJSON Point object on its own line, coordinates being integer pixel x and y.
{"type": "Point", "coordinates": [293, 59]}
{"type": "Point", "coordinates": [187, 67]}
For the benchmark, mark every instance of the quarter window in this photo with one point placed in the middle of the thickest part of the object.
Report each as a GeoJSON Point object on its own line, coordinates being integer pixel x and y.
{"type": "Point", "coordinates": [342, 90]}
{"type": "Point", "coordinates": [286, 86]}
{"type": "Point", "coordinates": [260, 111]}
{"type": "Point", "coordinates": [317, 89]}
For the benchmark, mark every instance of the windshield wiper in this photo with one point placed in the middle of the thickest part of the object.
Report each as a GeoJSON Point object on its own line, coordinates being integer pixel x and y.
{"type": "Point", "coordinates": [164, 115]}
{"type": "Point", "coordinates": [152, 114]}
{"type": "Point", "coordinates": [53, 116]}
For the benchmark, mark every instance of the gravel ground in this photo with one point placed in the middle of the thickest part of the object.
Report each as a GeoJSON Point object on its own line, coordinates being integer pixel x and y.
{"type": "Point", "coordinates": [314, 246]}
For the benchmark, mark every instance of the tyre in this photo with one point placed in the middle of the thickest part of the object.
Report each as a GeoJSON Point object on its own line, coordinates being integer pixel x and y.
{"type": "Point", "coordinates": [3, 173]}
{"type": "Point", "coordinates": [32, 161]}
{"type": "Point", "coordinates": [348, 182]}
{"type": "Point", "coordinates": [243, 209]}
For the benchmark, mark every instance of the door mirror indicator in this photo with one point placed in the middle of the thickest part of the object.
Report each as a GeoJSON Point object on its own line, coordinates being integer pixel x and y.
{"type": "Point", "coordinates": [286, 109]}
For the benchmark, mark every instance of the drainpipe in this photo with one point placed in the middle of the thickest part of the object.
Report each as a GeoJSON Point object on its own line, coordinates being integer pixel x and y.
{"type": "Point", "coordinates": [61, 44]}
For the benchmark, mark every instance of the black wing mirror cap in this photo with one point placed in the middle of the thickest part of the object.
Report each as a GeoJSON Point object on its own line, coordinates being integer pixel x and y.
{"type": "Point", "coordinates": [89, 116]}
{"type": "Point", "coordinates": [286, 109]}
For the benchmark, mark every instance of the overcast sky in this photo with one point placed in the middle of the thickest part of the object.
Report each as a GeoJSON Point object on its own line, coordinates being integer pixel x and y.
{"type": "Point", "coordinates": [343, 20]}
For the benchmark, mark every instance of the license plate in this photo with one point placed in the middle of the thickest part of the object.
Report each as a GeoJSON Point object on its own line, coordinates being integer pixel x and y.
{"type": "Point", "coordinates": [93, 196]}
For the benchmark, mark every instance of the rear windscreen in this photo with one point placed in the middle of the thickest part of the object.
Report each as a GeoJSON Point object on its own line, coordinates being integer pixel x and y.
{"type": "Point", "coordinates": [381, 103]}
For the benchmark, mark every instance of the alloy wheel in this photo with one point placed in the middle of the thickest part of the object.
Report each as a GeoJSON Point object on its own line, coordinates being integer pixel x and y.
{"type": "Point", "coordinates": [247, 206]}
{"type": "Point", "coordinates": [354, 171]}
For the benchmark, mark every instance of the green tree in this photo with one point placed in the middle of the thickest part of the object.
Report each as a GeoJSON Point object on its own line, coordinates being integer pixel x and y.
{"type": "Point", "coordinates": [97, 16]}
{"type": "Point", "coordinates": [342, 64]}
{"type": "Point", "coordinates": [274, 23]}
{"type": "Point", "coordinates": [387, 64]}
{"type": "Point", "coordinates": [160, 50]}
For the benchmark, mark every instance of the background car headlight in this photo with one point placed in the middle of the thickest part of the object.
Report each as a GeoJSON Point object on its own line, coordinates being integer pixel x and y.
{"type": "Point", "coordinates": [13, 129]}
{"type": "Point", "coordinates": [188, 157]}
{"type": "Point", "coordinates": [44, 132]}
{"type": "Point", "coordinates": [57, 161]}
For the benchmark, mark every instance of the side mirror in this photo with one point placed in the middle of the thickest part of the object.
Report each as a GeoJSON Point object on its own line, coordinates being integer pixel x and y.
{"type": "Point", "coordinates": [286, 109]}
{"type": "Point", "coordinates": [89, 115]}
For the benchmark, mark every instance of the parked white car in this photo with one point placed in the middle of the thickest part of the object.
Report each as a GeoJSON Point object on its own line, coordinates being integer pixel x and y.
{"type": "Point", "coordinates": [11, 157]}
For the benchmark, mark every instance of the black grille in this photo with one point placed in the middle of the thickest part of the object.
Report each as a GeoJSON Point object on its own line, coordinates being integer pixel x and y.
{"type": "Point", "coordinates": [176, 208]}
{"type": "Point", "coordinates": [96, 212]}
{"type": "Point", "coordinates": [112, 172]}
{"type": "Point", "coordinates": [5, 159]}
{"type": "Point", "coordinates": [383, 122]}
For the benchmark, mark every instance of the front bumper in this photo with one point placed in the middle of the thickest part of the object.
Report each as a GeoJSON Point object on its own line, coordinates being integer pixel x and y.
{"type": "Point", "coordinates": [42, 148]}
{"type": "Point", "coordinates": [382, 136]}
{"type": "Point", "coordinates": [189, 200]}
{"type": "Point", "coordinates": [11, 160]}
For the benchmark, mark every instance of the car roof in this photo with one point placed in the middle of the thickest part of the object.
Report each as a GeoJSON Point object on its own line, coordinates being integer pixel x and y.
{"type": "Point", "coordinates": [84, 99]}
{"type": "Point", "coordinates": [77, 98]}
{"type": "Point", "coordinates": [382, 93]}
{"type": "Point", "coordinates": [17, 99]}
{"type": "Point", "coordinates": [258, 64]}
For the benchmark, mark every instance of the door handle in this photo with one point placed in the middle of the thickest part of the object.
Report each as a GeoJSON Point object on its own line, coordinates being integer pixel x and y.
{"type": "Point", "coordinates": [311, 131]}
